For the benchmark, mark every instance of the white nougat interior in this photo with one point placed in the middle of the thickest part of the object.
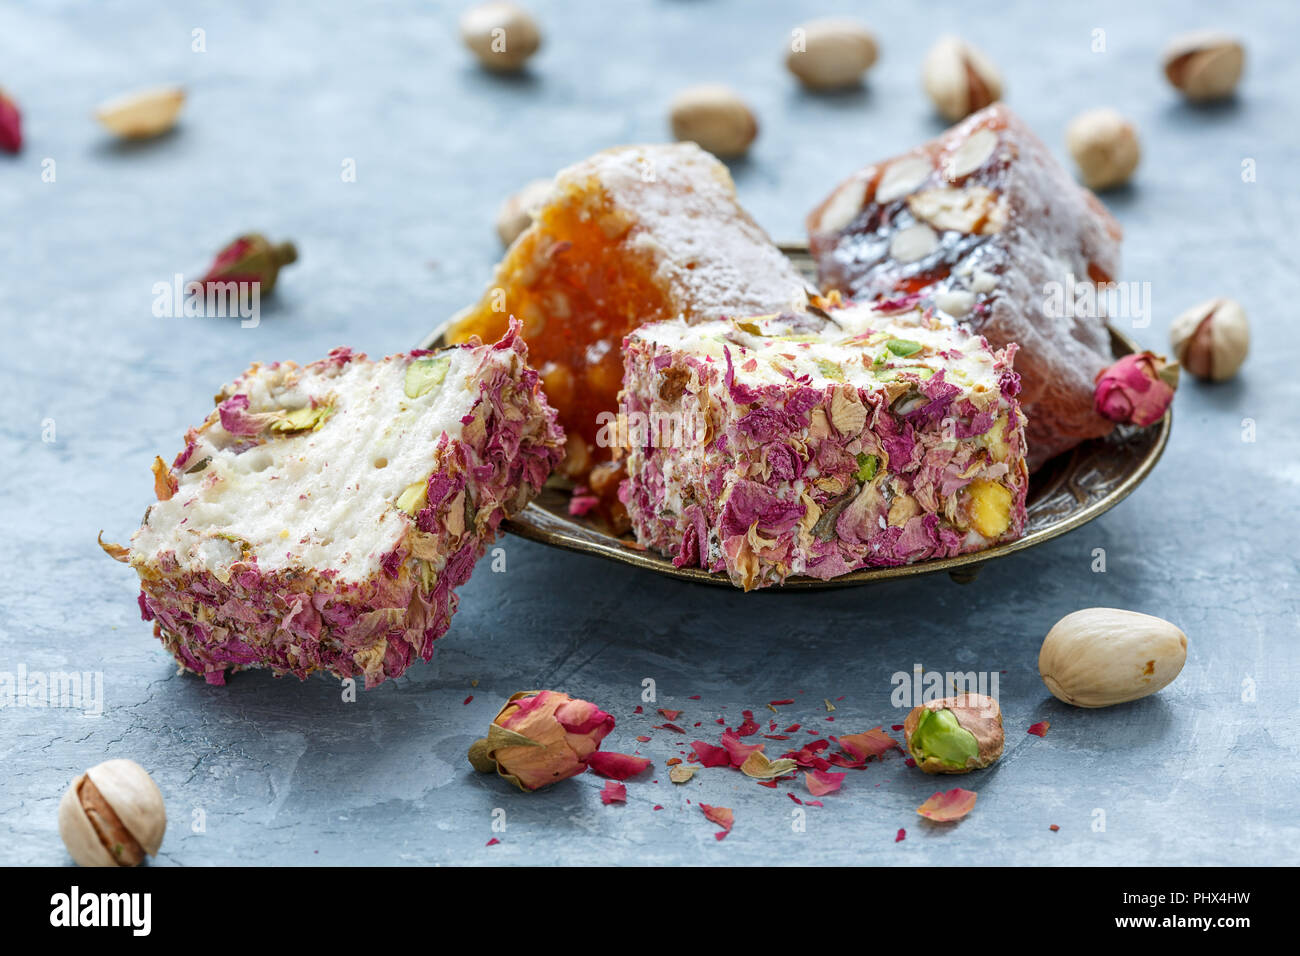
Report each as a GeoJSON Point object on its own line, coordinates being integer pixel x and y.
{"type": "Point", "coordinates": [321, 499]}
{"type": "Point", "coordinates": [837, 353]}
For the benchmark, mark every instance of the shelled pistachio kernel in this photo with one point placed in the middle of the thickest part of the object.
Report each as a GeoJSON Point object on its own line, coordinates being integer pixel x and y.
{"type": "Point", "coordinates": [955, 734]}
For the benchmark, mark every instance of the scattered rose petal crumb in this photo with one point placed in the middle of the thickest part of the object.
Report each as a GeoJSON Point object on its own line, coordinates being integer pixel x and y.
{"type": "Point", "coordinates": [1040, 729]}
{"type": "Point", "coordinates": [822, 782]}
{"type": "Point", "coordinates": [1054, 828]}
{"type": "Point", "coordinates": [492, 842]}
{"type": "Point", "coordinates": [614, 792]}
{"type": "Point", "coordinates": [902, 835]}
{"type": "Point", "coordinates": [468, 699]}
{"type": "Point", "coordinates": [615, 765]}
{"type": "Point", "coordinates": [722, 816]}
{"type": "Point", "coordinates": [945, 806]}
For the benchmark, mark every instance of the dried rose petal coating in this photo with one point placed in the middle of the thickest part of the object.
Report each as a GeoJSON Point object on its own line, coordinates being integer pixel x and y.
{"type": "Point", "coordinates": [617, 766]}
{"type": "Point", "coordinates": [977, 223]}
{"type": "Point", "coordinates": [322, 516]}
{"type": "Point", "coordinates": [817, 443]}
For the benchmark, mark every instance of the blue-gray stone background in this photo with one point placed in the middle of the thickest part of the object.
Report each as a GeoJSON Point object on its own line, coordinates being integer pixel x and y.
{"type": "Point", "coordinates": [93, 385]}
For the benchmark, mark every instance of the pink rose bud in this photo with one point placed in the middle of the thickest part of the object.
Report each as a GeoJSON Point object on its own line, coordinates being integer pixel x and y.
{"type": "Point", "coordinates": [540, 738]}
{"type": "Point", "coordinates": [11, 125]}
{"type": "Point", "coordinates": [251, 258]}
{"type": "Point", "coordinates": [1137, 389]}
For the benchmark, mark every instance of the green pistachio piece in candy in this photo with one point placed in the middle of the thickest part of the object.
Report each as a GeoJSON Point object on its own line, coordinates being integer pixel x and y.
{"type": "Point", "coordinates": [938, 736]}
{"type": "Point", "coordinates": [302, 419]}
{"type": "Point", "coordinates": [867, 465]}
{"type": "Point", "coordinates": [830, 369]}
{"type": "Point", "coordinates": [413, 497]}
{"type": "Point", "coordinates": [426, 374]}
{"type": "Point", "coordinates": [745, 325]}
{"type": "Point", "coordinates": [903, 347]}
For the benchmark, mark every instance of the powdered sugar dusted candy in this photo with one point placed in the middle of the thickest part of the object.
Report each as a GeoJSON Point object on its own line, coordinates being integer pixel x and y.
{"type": "Point", "coordinates": [321, 517]}
{"type": "Point", "coordinates": [815, 443]}
{"type": "Point", "coordinates": [984, 224]}
{"type": "Point", "coordinates": [630, 235]}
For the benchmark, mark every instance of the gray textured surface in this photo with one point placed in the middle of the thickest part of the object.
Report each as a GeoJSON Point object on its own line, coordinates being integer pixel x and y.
{"type": "Point", "coordinates": [287, 773]}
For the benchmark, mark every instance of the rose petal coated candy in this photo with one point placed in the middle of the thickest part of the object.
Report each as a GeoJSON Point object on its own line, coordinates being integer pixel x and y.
{"type": "Point", "coordinates": [984, 226]}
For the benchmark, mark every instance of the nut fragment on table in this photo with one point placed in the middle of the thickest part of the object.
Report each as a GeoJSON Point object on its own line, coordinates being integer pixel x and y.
{"type": "Point", "coordinates": [502, 35]}
{"type": "Point", "coordinates": [1211, 339]}
{"type": "Point", "coordinates": [1204, 65]}
{"type": "Point", "coordinates": [1102, 656]}
{"type": "Point", "coordinates": [112, 815]}
{"type": "Point", "coordinates": [1105, 146]}
{"type": "Point", "coordinates": [142, 114]}
{"type": "Point", "coordinates": [516, 213]}
{"type": "Point", "coordinates": [955, 734]}
{"type": "Point", "coordinates": [959, 78]}
{"type": "Point", "coordinates": [831, 53]}
{"type": "Point", "coordinates": [714, 117]}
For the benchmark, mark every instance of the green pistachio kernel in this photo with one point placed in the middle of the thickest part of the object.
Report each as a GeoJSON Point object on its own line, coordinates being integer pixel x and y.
{"type": "Point", "coordinates": [413, 497]}
{"type": "Point", "coordinates": [302, 419]}
{"type": "Point", "coordinates": [830, 369]}
{"type": "Point", "coordinates": [747, 325]}
{"type": "Point", "coordinates": [938, 736]}
{"type": "Point", "coordinates": [424, 375]}
{"type": "Point", "coordinates": [867, 465]}
{"type": "Point", "coordinates": [903, 347]}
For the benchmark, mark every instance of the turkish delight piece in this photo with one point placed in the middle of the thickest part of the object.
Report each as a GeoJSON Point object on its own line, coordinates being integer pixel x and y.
{"type": "Point", "coordinates": [631, 235]}
{"type": "Point", "coordinates": [322, 516]}
{"type": "Point", "coordinates": [818, 442]}
{"type": "Point", "coordinates": [985, 226]}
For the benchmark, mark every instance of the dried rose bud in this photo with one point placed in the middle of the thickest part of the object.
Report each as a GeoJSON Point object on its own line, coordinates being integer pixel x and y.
{"type": "Point", "coordinates": [1137, 389]}
{"type": "Point", "coordinates": [251, 258]}
{"type": "Point", "coordinates": [11, 125]}
{"type": "Point", "coordinates": [540, 738]}
{"type": "Point", "coordinates": [955, 734]}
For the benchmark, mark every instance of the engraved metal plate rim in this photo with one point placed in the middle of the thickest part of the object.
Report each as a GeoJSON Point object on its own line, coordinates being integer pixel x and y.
{"type": "Point", "coordinates": [559, 530]}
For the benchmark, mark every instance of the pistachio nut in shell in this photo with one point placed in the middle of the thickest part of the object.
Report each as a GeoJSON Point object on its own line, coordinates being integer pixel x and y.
{"type": "Point", "coordinates": [1205, 64]}
{"type": "Point", "coordinates": [541, 737]}
{"type": "Point", "coordinates": [1211, 340]}
{"type": "Point", "coordinates": [516, 212]}
{"type": "Point", "coordinates": [714, 117]}
{"type": "Point", "coordinates": [142, 114]}
{"type": "Point", "coordinates": [502, 35]}
{"type": "Point", "coordinates": [1105, 147]}
{"type": "Point", "coordinates": [112, 815]}
{"type": "Point", "coordinates": [955, 734]}
{"type": "Point", "coordinates": [959, 79]}
{"type": "Point", "coordinates": [1102, 656]}
{"type": "Point", "coordinates": [831, 53]}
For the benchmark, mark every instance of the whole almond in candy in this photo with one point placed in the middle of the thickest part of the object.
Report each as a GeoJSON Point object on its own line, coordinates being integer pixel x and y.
{"type": "Point", "coordinates": [831, 53]}
{"type": "Point", "coordinates": [715, 118]}
{"type": "Point", "coordinates": [1102, 656]}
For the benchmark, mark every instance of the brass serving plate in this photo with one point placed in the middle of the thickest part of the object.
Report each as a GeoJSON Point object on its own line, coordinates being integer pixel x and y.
{"type": "Point", "coordinates": [1070, 490]}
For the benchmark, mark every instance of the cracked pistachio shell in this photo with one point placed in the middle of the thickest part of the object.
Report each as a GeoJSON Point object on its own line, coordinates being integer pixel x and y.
{"type": "Point", "coordinates": [1102, 656]}
{"type": "Point", "coordinates": [955, 734]}
{"type": "Point", "coordinates": [133, 797]}
{"type": "Point", "coordinates": [1211, 340]}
